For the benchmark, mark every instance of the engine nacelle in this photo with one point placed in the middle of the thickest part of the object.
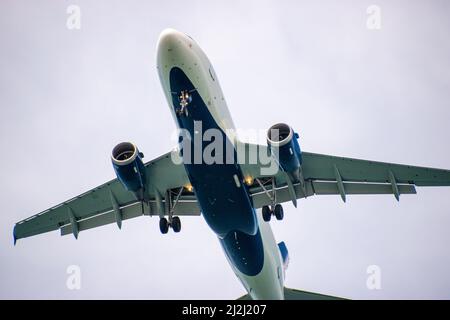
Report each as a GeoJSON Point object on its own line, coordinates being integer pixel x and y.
{"type": "Point", "coordinates": [283, 145]}
{"type": "Point", "coordinates": [129, 168]}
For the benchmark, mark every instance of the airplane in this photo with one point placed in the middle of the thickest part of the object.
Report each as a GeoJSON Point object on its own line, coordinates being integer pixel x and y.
{"type": "Point", "coordinates": [227, 191]}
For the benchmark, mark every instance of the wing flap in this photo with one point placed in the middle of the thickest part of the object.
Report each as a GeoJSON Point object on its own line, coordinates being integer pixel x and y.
{"type": "Point", "coordinates": [183, 208]}
{"type": "Point", "coordinates": [260, 197]}
{"type": "Point", "coordinates": [128, 212]}
{"type": "Point", "coordinates": [326, 187]}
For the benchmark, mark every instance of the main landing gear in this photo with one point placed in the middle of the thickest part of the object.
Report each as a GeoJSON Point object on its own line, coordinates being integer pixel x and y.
{"type": "Point", "coordinates": [275, 209]}
{"type": "Point", "coordinates": [172, 221]}
{"type": "Point", "coordinates": [164, 225]}
{"type": "Point", "coordinates": [268, 211]}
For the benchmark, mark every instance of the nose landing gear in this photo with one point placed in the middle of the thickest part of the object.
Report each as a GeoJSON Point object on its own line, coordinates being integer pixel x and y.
{"type": "Point", "coordinates": [184, 98]}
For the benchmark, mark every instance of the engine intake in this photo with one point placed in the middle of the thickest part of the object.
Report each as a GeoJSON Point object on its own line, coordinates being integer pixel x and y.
{"type": "Point", "coordinates": [283, 146]}
{"type": "Point", "coordinates": [129, 168]}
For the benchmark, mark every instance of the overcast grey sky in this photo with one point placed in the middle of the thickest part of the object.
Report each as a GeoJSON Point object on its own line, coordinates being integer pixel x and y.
{"type": "Point", "coordinates": [68, 96]}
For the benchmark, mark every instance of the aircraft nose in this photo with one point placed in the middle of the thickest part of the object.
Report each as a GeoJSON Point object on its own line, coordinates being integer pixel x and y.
{"type": "Point", "coordinates": [174, 49]}
{"type": "Point", "coordinates": [169, 40]}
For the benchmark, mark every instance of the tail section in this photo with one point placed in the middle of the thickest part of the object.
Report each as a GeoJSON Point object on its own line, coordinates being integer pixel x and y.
{"type": "Point", "coordinates": [293, 294]}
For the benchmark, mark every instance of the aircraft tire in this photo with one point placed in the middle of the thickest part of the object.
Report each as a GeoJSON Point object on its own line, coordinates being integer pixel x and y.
{"type": "Point", "coordinates": [163, 225]}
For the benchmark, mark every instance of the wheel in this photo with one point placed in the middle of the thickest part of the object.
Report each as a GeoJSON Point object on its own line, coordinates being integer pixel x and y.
{"type": "Point", "coordinates": [163, 225]}
{"type": "Point", "coordinates": [266, 213]}
{"type": "Point", "coordinates": [278, 211]}
{"type": "Point", "coordinates": [176, 224]}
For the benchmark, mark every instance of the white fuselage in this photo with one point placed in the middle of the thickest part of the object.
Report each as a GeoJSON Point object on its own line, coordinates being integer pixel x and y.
{"type": "Point", "coordinates": [176, 49]}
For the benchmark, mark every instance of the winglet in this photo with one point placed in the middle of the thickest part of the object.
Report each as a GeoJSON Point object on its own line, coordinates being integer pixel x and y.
{"type": "Point", "coordinates": [14, 235]}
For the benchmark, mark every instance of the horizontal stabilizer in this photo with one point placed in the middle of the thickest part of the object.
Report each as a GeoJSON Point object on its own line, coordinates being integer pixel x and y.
{"type": "Point", "coordinates": [293, 294]}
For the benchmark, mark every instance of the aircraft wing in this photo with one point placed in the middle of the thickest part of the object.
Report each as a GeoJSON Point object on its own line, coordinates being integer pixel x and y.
{"type": "Point", "coordinates": [321, 167]}
{"type": "Point", "coordinates": [338, 175]}
{"type": "Point", "coordinates": [111, 203]}
{"type": "Point", "coordinates": [331, 175]}
{"type": "Point", "coordinates": [323, 175]}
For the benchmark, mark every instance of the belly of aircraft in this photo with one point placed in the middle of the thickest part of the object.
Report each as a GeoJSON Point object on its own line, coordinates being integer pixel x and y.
{"type": "Point", "coordinates": [221, 193]}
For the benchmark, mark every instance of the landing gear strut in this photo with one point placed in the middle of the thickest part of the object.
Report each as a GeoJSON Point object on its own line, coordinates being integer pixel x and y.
{"type": "Point", "coordinates": [275, 208]}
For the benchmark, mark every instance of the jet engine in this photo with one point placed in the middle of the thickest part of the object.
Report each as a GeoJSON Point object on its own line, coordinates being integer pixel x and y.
{"type": "Point", "coordinates": [284, 147]}
{"type": "Point", "coordinates": [129, 168]}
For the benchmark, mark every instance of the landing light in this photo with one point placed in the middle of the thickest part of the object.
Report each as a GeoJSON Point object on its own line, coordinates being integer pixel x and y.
{"type": "Point", "coordinates": [248, 180]}
{"type": "Point", "coordinates": [189, 188]}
